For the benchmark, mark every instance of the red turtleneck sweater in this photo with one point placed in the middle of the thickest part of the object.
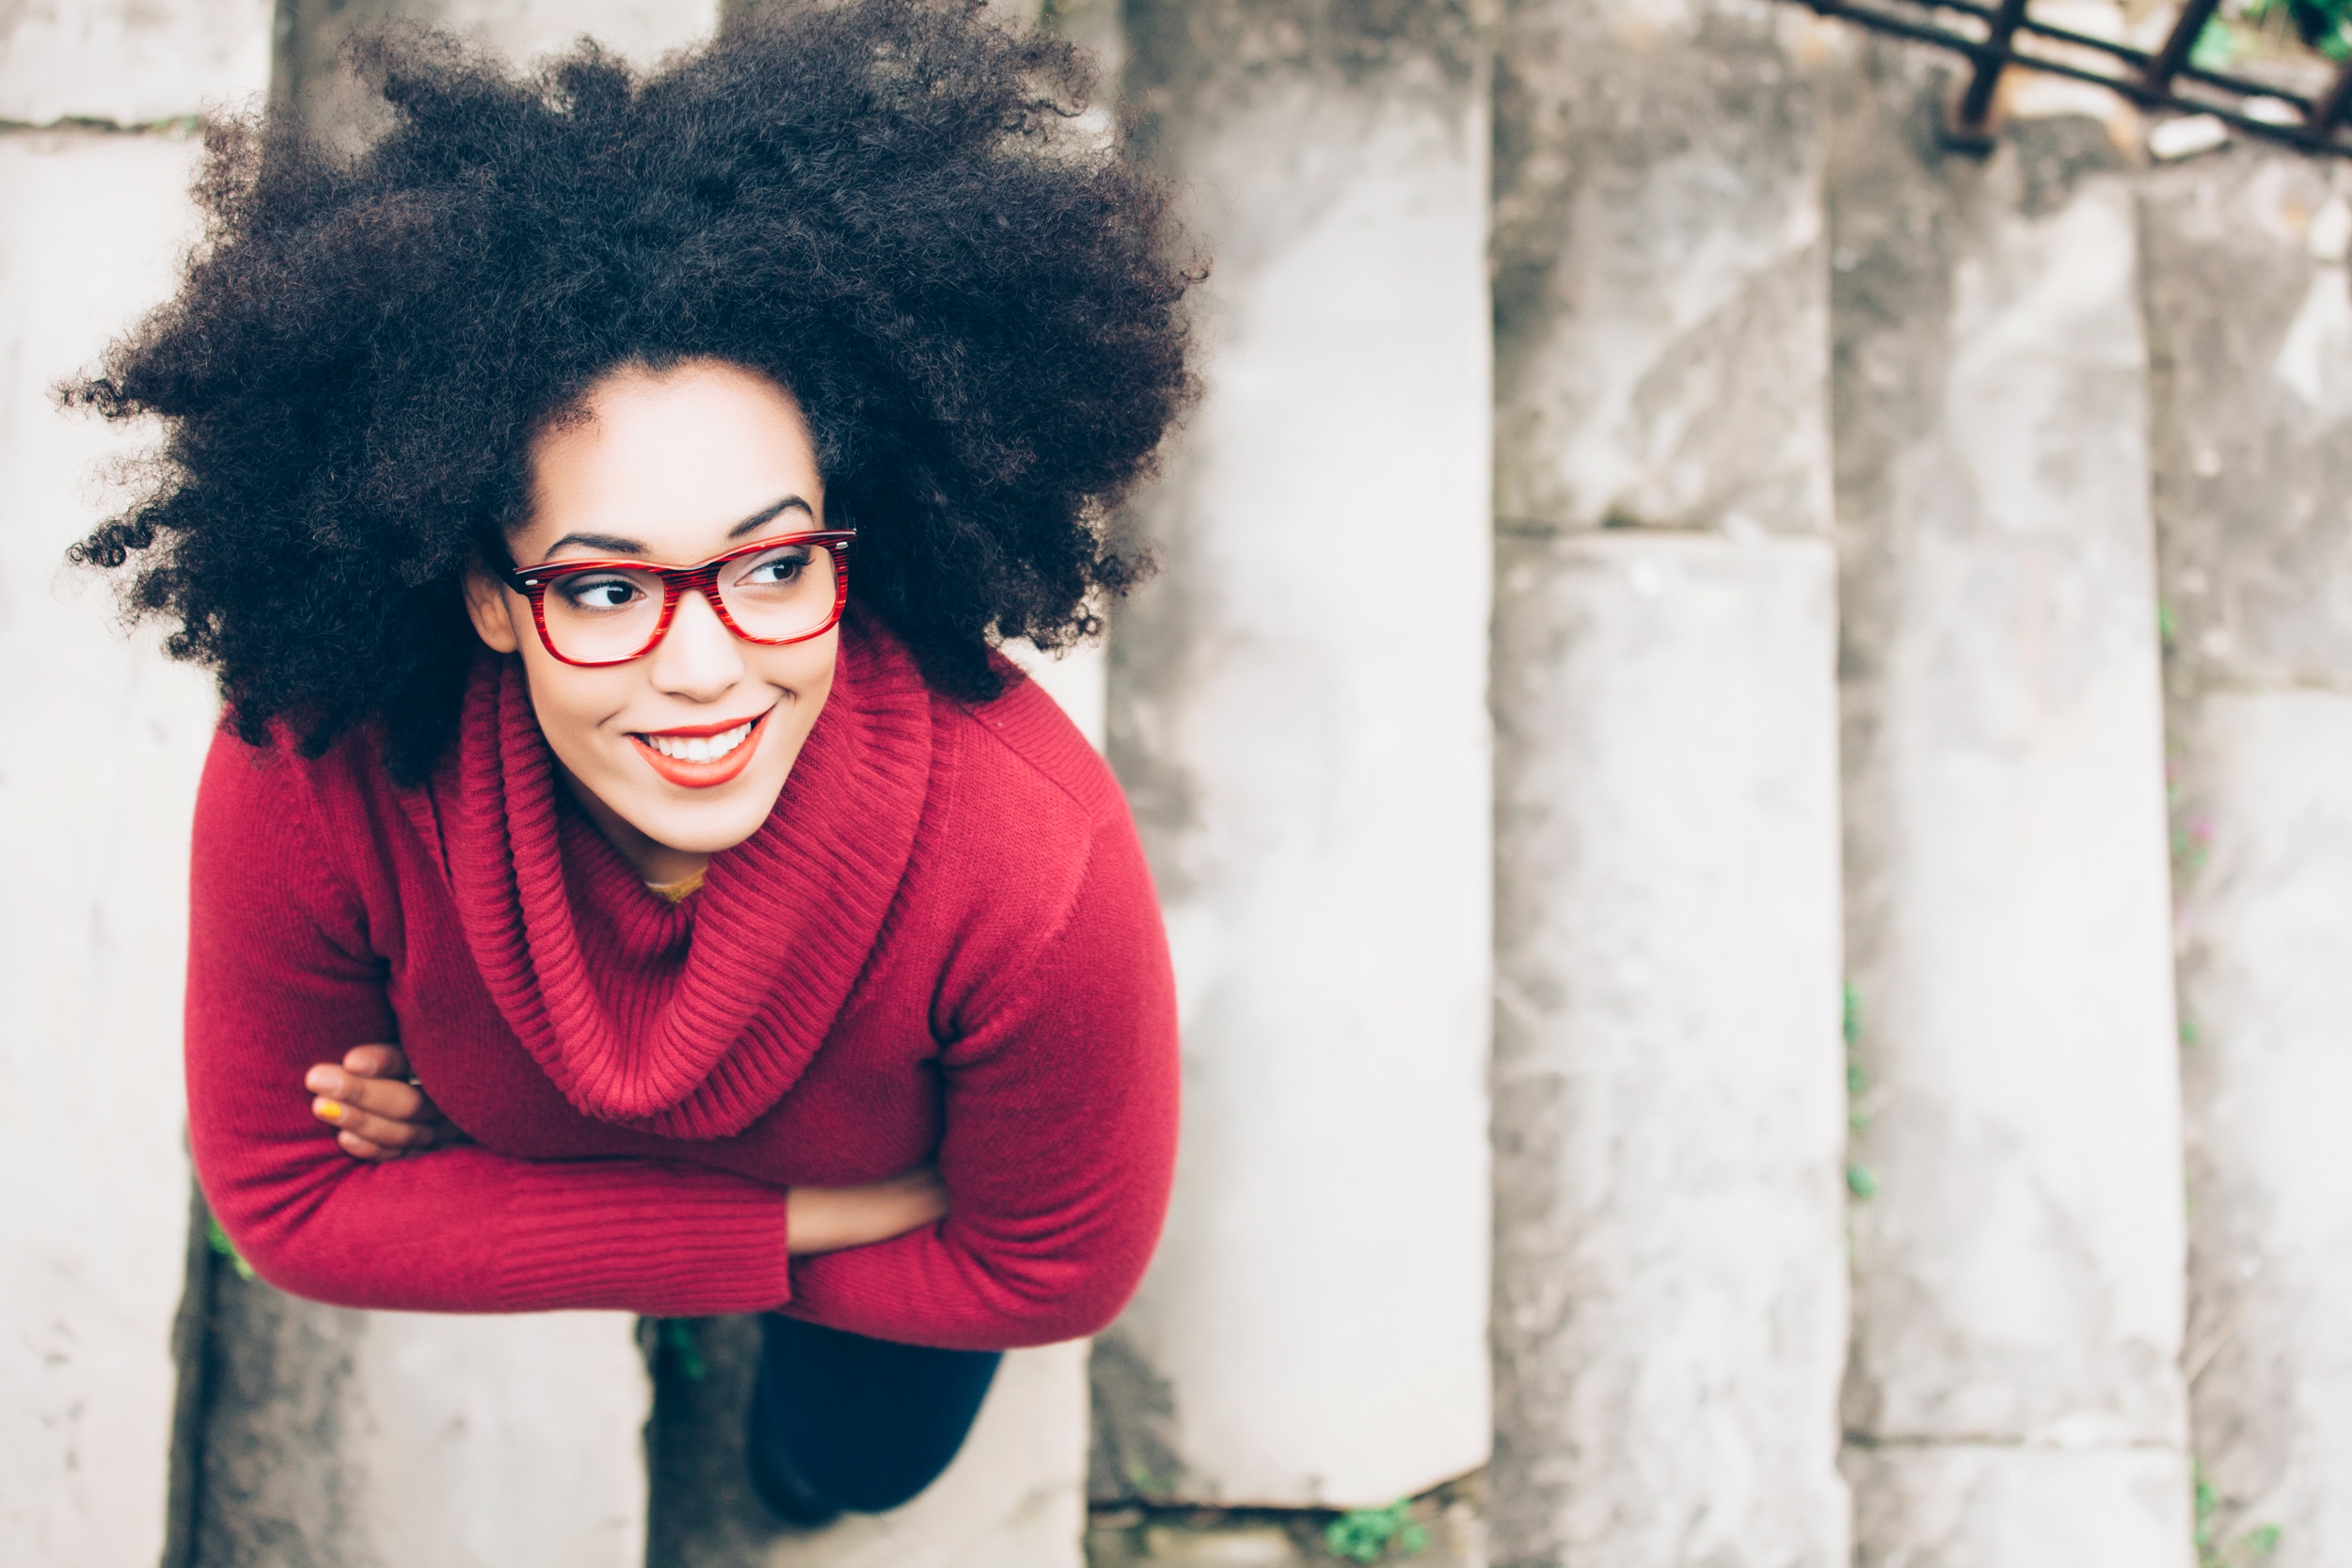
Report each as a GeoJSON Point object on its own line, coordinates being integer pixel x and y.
{"type": "Point", "coordinates": [942, 944]}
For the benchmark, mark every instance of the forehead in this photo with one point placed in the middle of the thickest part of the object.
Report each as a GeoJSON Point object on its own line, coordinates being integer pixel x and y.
{"type": "Point", "coordinates": [672, 459]}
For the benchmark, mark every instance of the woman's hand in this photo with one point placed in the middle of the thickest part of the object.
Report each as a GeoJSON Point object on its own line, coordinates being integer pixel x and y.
{"type": "Point", "coordinates": [826, 1219]}
{"type": "Point", "coordinates": [376, 1113]}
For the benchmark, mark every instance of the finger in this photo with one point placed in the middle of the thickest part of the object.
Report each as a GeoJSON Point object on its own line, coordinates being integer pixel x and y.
{"type": "Point", "coordinates": [391, 1098]}
{"type": "Point", "coordinates": [375, 1129]}
{"type": "Point", "coordinates": [360, 1148]}
{"type": "Point", "coordinates": [376, 1061]}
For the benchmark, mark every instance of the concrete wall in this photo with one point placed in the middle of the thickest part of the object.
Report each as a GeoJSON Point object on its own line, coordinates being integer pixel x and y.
{"type": "Point", "coordinates": [2013, 1395]}
{"type": "Point", "coordinates": [1296, 708]}
{"type": "Point", "coordinates": [97, 792]}
{"type": "Point", "coordinates": [1669, 1322]}
{"type": "Point", "coordinates": [2250, 322]}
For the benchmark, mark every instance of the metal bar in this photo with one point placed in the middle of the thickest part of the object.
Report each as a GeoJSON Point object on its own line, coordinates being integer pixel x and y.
{"type": "Point", "coordinates": [2123, 52]}
{"type": "Point", "coordinates": [1978, 101]}
{"type": "Point", "coordinates": [2310, 137]}
{"type": "Point", "coordinates": [2175, 53]}
{"type": "Point", "coordinates": [2320, 122]}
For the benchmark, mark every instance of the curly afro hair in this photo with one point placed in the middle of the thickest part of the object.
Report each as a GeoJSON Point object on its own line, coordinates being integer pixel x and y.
{"type": "Point", "coordinates": [879, 204]}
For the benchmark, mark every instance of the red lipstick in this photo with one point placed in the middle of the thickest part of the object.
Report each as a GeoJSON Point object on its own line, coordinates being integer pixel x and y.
{"type": "Point", "coordinates": [689, 774]}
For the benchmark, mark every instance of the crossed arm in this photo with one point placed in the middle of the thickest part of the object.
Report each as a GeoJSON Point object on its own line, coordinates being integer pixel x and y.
{"type": "Point", "coordinates": [379, 1115]}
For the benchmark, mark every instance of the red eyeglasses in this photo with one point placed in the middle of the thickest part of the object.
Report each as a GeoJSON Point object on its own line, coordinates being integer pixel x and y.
{"type": "Point", "coordinates": [785, 589]}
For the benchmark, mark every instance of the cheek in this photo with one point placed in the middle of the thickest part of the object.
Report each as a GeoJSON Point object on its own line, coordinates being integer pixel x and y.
{"type": "Point", "coordinates": [571, 704]}
{"type": "Point", "coordinates": [803, 669]}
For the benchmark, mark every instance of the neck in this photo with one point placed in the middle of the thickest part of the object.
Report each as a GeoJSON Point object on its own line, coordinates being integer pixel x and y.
{"type": "Point", "coordinates": [656, 862]}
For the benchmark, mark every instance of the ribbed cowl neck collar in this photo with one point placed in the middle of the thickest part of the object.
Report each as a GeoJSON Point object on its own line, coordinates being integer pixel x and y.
{"type": "Point", "coordinates": [687, 1020]}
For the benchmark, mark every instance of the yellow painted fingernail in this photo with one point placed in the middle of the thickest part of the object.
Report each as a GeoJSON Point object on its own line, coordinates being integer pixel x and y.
{"type": "Point", "coordinates": [330, 1110]}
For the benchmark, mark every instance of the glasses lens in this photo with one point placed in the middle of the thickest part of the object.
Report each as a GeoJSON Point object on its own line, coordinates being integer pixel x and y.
{"type": "Point", "coordinates": [595, 616]}
{"type": "Point", "coordinates": [786, 592]}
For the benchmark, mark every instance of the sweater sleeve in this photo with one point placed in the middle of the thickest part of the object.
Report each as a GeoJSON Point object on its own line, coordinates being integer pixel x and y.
{"type": "Point", "coordinates": [282, 976]}
{"type": "Point", "coordinates": [1058, 1148]}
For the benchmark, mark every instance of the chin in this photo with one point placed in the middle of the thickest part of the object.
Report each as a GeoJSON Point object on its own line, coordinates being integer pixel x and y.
{"type": "Point", "coordinates": [706, 827]}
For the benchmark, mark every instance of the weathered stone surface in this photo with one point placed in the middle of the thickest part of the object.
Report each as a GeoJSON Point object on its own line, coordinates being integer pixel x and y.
{"type": "Point", "coordinates": [1298, 711]}
{"type": "Point", "coordinates": [1670, 1308]}
{"type": "Point", "coordinates": [1013, 1498]}
{"type": "Point", "coordinates": [1659, 290]}
{"type": "Point", "coordinates": [1669, 1322]}
{"type": "Point", "coordinates": [2249, 324]}
{"type": "Point", "coordinates": [92, 919]}
{"type": "Point", "coordinates": [2265, 988]}
{"type": "Point", "coordinates": [2250, 319]}
{"type": "Point", "coordinates": [132, 62]}
{"type": "Point", "coordinates": [1960, 1506]}
{"type": "Point", "coordinates": [2018, 1276]}
{"type": "Point", "coordinates": [336, 1437]}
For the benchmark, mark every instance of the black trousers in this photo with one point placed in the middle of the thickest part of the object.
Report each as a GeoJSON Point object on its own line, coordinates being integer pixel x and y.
{"type": "Point", "coordinates": [842, 1423]}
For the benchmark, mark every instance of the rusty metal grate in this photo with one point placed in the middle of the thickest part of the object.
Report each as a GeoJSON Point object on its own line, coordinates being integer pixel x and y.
{"type": "Point", "coordinates": [2001, 36]}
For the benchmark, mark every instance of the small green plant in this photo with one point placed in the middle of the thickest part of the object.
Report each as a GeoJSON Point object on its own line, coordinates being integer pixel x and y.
{"type": "Point", "coordinates": [683, 1347]}
{"type": "Point", "coordinates": [1148, 1486]}
{"type": "Point", "coordinates": [1367, 1534]}
{"type": "Point", "coordinates": [1859, 1180]}
{"type": "Point", "coordinates": [224, 1247]}
{"type": "Point", "coordinates": [2253, 26]}
{"type": "Point", "coordinates": [2257, 1543]}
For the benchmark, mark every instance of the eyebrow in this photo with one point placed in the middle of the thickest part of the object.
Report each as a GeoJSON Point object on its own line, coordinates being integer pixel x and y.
{"type": "Point", "coordinates": [612, 544]}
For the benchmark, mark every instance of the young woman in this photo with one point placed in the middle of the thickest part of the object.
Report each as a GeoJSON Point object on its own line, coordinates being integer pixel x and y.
{"type": "Point", "coordinates": [626, 877]}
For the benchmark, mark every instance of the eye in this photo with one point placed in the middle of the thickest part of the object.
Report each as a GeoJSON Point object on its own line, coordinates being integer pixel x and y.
{"type": "Point", "coordinates": [598, 593]}
{"type": "Point", "coordinates": [778, 570]}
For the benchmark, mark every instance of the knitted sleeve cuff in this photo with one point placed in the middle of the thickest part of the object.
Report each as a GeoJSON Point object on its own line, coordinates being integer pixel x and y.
{"type": "Point", "coordinates": [641, 1235]}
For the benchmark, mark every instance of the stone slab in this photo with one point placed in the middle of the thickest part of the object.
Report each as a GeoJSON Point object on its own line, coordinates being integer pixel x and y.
{"type": "Point", "coordinates": [1670, 1313]}
{"type": "Point", "coordinates": [335, 1437]}
{"type": "Point", "coordinates": [2018, 1276]}
{"type": "Point", "coordinates": [132, 62]}
{"type": "Point", "coordinates": [1013, 1498]}
{"type": "Point", "coordinates": [1298, 711]}
{"type": "Point", "coordinates": [1963, 1506]}
{"type": "Point", "coordinates": [1661, 294]}
{"type": "Point", "coordinates": [97, 795]}
{"type": "Point", "coordinates": [2250, 321]}
{"type": "Point", "coordinates": [2266, 993]}
{"type": "Point", "coordinates": [2249, 331]}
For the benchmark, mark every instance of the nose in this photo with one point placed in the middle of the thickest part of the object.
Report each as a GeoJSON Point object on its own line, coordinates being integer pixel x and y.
{"type": "Point", "coordinates": [697, 659]}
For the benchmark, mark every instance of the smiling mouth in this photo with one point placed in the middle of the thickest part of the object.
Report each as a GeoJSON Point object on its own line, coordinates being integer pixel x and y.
{"type": "Point", "coordinates": [701, 748]}
{"type": "Point", "coordinates": [701, 757]}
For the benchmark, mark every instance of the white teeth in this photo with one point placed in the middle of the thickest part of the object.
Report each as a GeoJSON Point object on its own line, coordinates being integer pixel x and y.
{"type": "Point", "coordinates": [699, 747]}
